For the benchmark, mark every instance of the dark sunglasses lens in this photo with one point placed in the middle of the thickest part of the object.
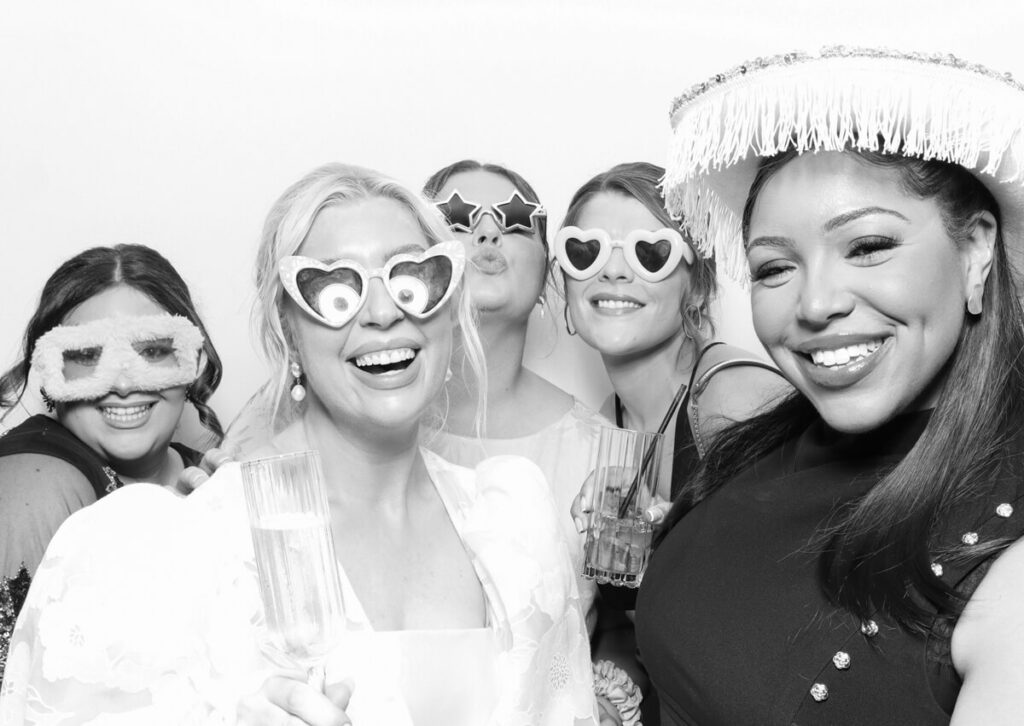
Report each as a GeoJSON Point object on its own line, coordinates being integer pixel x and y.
{"type": "Point", "coordinates": [653, 255]}
{"type": "Point", "coordinates": [334, 295]}
{"type": "Point", "coordinates": [458, 212]}
{"type": "Point", "coordinates": [582, 253]}
{"type": "Point", "coordinates": [419, 287]}
{"type": "Point", "coordinates": [517, 214]}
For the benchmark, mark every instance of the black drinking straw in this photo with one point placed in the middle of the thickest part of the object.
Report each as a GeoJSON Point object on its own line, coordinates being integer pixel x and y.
{"type": "Point", "coordinates": [649, 454]}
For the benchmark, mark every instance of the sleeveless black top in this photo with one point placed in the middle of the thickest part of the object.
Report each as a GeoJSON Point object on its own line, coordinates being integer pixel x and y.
{"type": "Point", "coordinates": [732, 623]}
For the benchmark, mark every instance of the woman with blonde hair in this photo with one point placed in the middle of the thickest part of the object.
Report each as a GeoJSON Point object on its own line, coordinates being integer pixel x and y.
{"type": "Point", "coordinates": [460, 601]}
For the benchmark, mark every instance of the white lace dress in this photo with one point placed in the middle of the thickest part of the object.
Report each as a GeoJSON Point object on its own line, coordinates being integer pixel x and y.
{"type": "Point", "coordinates": [146, 610]}
{"type": "Point", "coordinates": [564, 451]}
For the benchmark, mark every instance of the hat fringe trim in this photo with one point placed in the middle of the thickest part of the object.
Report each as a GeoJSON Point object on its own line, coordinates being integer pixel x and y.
{"type": "Point", "coordinates": [920, 119]}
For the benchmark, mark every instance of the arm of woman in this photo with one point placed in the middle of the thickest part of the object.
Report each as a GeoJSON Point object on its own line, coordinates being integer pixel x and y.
{"type": "Point", "coordinates": [37, 493]}
{"type": "Point", "coordinates": [736, 394]}
{"type": "Point", "coordinates": [988, 646]}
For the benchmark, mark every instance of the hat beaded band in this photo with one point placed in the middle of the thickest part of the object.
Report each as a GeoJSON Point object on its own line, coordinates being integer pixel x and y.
{"type": "Point", "coordinates": [926, 106]}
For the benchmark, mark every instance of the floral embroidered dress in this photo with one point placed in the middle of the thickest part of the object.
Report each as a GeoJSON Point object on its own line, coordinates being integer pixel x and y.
{"type": "Point", "coordinates": [564, 450]}
{"type": "Point", "coordinates": [146, 609]}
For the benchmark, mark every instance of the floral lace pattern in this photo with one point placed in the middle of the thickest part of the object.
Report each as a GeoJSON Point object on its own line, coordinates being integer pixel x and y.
{"type": "Point", "coordinates": [168, 630]}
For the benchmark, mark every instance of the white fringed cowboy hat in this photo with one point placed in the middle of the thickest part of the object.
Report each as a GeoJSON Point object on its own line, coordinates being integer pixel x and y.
{"type": "Point", "coordinates": [927, 106]}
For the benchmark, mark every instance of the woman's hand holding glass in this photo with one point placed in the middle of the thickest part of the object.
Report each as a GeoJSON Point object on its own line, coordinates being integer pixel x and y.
{"type": "Point", "coordinates": [286, 697]}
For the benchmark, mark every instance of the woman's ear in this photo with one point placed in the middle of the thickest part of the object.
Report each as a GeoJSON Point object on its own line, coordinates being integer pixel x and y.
{"type": "Point", "coordinates": [977, 252]}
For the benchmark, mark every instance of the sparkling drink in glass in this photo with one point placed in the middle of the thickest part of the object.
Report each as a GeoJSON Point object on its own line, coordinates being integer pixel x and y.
{"type": "Point", "coordinates": [618, 542]}
{"type": "Point", "coordinates": [298, 569]}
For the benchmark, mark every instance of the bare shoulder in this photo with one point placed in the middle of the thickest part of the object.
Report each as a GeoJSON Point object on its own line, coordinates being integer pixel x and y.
{"type": "Point", "coordinates": [988, 645]}
{"type": "Point", "coordinates": [740, 391]}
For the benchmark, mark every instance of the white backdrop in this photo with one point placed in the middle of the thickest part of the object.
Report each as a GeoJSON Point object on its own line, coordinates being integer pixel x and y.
{"type": "Point", "coordinates": [176, 124]}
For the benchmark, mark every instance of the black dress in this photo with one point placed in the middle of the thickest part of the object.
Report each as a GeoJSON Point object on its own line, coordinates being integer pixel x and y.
{"type": "Point", "coordinates": [732, 623]}
{"type": "Point", "coordinates": [25, 533]}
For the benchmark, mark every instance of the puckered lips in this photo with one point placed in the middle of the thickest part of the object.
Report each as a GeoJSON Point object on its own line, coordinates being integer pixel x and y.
{"type": "Point", "coordinates": [841, 360]}
{"type": "Point", "coordinates": [489, 261]}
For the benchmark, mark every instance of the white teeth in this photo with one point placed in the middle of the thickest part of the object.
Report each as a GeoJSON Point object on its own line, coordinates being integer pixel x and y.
{"type": "Point", "coordinates": [617, 304]}
{"type": "Point", "coordinates": [842, 356]}
{"type": "Point", "coordinates": [125, 413]}
{"type": "Point", "coordinates": [385, 357]}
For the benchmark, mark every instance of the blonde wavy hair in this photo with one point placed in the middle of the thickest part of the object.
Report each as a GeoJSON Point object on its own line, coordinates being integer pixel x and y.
{"type": "Point", "coordinates": [286, 227]}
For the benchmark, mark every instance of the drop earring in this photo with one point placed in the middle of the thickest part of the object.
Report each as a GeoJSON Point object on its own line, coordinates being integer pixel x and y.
{"type": "Point", "coordinates": [448, 375]}
{"type": "Point", "coordinates": [51, 405]}
{"type": "Point", "coordinates": [543, 302]}
{"type": "Point", "coordinates": [974, 302]}
{"type": "Point", "coordinates": [298, 391]}
{"type": "Point", "coordinates": [568, 323]}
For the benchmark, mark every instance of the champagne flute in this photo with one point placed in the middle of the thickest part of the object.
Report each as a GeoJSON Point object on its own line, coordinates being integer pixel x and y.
{"type": "Point", "coordinates": [298, 570]}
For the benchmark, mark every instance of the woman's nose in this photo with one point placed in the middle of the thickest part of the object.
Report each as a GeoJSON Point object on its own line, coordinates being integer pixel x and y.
{"type": "Point", "coordinates": [487, 231]}
{"type": "Point", "coordinates": [380, 310]}
{"type": "Point", "coordinates": [823, 297]}
{"type": "Point", "coordinates": [616, 268]}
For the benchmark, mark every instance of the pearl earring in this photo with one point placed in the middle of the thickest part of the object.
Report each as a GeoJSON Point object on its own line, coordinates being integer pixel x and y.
{"type": "Point", "coordinates": [298, 390]}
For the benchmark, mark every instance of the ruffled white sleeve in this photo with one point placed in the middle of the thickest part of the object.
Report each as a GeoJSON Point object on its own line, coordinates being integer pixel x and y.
{"type": "Point", "coordinates": [114, 629]}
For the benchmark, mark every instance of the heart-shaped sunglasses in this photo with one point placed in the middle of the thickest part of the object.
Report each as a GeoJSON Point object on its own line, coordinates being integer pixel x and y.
{"type": "Point", "coordinates": [582, 253]}
{"type": "Point", "coordinates": [515, 214]}
{"type": "Point", "coordinates": [333, 293]}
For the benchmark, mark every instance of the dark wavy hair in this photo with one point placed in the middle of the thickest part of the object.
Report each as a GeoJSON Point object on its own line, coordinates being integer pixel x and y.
{"type": "Point", "coordinates": [639, 180]}
{"type": "Point", "coordinates": [877, 555]}
{"type": "Point", "coordinates": [90, 273]}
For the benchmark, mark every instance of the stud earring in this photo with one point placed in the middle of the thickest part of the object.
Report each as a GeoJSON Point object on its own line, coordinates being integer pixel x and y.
{"type": "Point", "coordinates": [51, 405]}
{"type": "Point", "coordinates": [974, 302]}
{"type": "Point", "coordinates": [298, 391]}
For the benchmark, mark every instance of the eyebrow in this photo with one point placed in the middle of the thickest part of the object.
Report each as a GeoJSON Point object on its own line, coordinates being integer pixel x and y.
{"type": "Point", "coordinates": [829, 226]}
{"type": "Point", "coordinates": [847, 217]}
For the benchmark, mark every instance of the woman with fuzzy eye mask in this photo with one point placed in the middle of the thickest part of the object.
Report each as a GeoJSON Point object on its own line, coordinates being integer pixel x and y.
{"type": "Point", "coordinates": [117, 349]}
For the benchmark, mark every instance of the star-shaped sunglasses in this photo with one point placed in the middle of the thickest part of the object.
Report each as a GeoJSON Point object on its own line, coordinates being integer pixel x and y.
{"type": "Point", "coordinates": [334, 293]}
{"type": "Point", "coordinates": [582, 253]}
{"type": "Point", "coordinates": [515, 214]}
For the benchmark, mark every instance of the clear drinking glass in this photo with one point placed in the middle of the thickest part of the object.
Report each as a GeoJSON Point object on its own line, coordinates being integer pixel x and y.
{"type": "Point", "coordinates": [618, 542]}
{"type": "Point", "coordinates": [298, 570]}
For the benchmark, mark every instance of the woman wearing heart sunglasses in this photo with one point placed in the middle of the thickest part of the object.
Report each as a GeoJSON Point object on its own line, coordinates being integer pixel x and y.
{"type": "Point", "coordinates": [460, 600]}
{"type": "Point", "coordinates": [636, 291]}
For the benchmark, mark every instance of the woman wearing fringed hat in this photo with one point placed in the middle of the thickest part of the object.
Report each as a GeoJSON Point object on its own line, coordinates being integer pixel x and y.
{"type": "Point", "coordinates": [851, 556]}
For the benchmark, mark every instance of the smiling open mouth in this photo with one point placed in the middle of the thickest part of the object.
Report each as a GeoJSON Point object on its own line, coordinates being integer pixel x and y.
{"type": "Point", "coordinates": [385, 361]}
{"type": "Point", "coordinates": [842, 356]}
{"type": "Point", "coordinates": [607, 304]}
{"type": "Point", "coordinates": [126, 414]}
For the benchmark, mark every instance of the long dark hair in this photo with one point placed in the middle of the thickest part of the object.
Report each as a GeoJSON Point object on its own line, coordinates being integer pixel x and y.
{"type": "Point", "coordinates": [877, 555]}
{"type": "Point", "coordinates": [639, 180]}
{"type": "Point", "coordinates": [90, 273]}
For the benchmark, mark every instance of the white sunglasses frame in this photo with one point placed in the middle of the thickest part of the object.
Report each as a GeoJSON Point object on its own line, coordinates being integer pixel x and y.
{"type": "Point", "coordinates": [679, 250]}
{"type": "Point", "coordinates": [289, 267]}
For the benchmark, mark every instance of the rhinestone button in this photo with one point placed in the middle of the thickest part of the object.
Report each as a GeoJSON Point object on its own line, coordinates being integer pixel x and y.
{"type": "Point", "coordinates": [841, 660]}
{"type": "Point", "coordinates": [937, 569]}
{"type": "Point", "coordinates": [819, 692]}
{"type": "Point", "coordinates": [970, 538]}
{"type": "Point", "coordinates": [869, 628]}
{"type": "Point", "coordinates": [1005, 509]}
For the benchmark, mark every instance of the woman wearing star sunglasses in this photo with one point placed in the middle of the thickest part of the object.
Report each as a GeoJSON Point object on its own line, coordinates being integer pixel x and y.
{"type": "Point", "coordinates": [460, 602]}
{"type": "Point", "coordinates": [499, 219]}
